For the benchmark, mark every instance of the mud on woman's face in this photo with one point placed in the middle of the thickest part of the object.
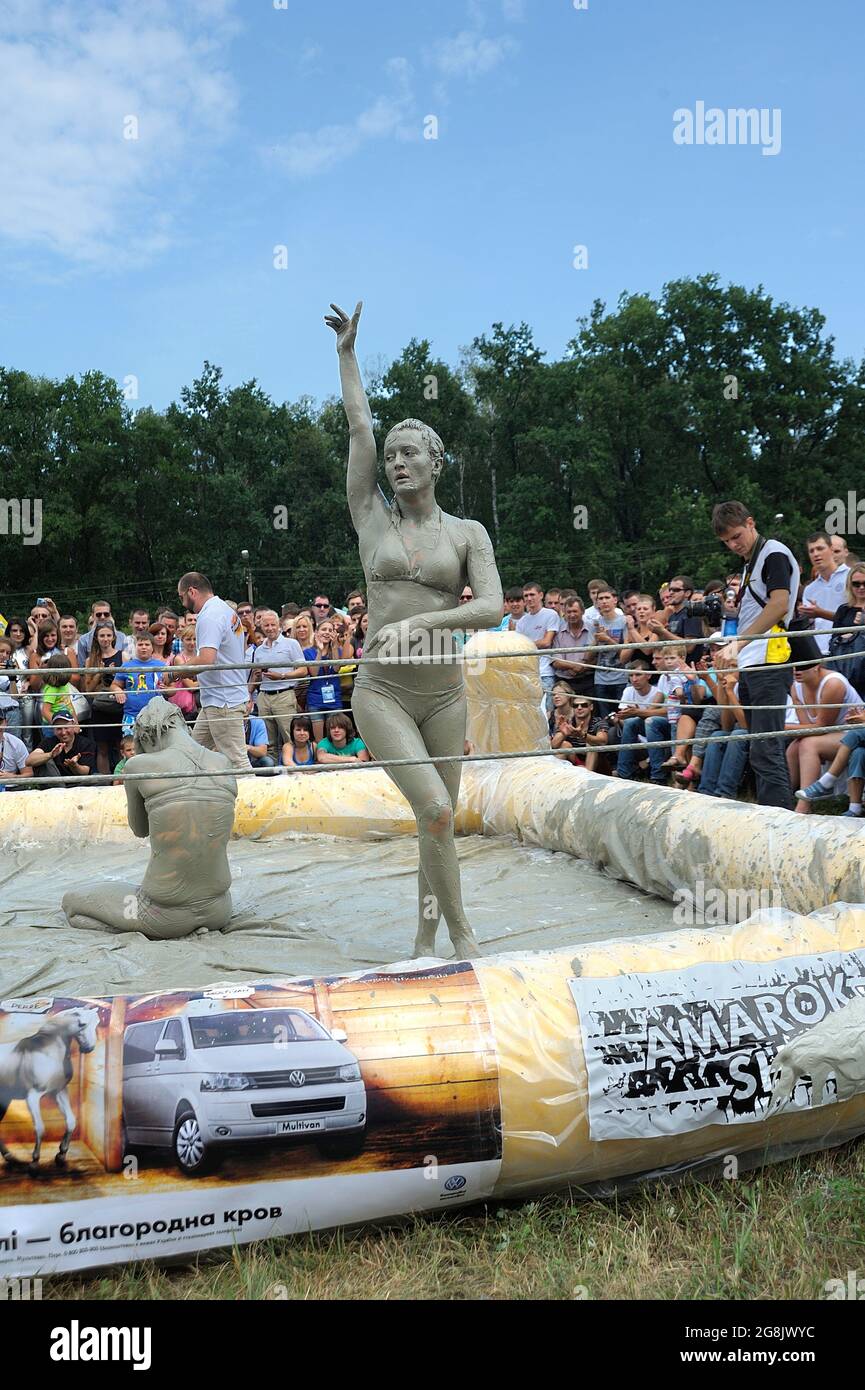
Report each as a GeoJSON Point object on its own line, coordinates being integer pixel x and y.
{"type": "Point", "coordinates": [407, 462]}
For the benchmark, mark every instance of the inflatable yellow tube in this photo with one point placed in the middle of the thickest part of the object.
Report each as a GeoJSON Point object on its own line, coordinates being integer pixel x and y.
{"type": "Point", "coordinates": [656, 838]}
{"type": "Point", "coordinates": [550, 1110]}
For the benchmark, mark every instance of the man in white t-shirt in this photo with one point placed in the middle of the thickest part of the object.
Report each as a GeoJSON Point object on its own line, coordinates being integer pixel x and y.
{"type": "Point", "coordinates": [540, 625]}
{"type": "Point", "coordinates": [825, 594]}
{"type": "Point", "coordinates": [13, 753]}
{"type": "Point", "coordinates": [594, 587]}
{"type": "Point", "coordinates": [224, 693]}
{"type": "Point", "coordinates": [277, 703]}
{"type": "Point", "coordinates": [639, 700]}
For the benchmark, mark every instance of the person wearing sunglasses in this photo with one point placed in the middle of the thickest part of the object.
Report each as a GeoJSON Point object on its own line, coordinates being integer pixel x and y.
{"type": "Point", "coordinates": [322, 608]}
{"type": "Point", "coordinates": [673, 624]}
{"type": "Point", "coordinates": [583, 728]}
{"type": "Point", "coordinates": [100, 612]}
{"type": "Point", "coordinates": [851, 613]}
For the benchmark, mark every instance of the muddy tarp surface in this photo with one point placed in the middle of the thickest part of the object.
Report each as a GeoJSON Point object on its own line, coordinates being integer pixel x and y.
{"type": "Point", "coordinates": [303, 904]}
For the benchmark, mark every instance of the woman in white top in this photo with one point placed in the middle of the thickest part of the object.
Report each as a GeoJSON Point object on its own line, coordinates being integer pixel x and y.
{"type": "Point", "coordinates": [820, 699]}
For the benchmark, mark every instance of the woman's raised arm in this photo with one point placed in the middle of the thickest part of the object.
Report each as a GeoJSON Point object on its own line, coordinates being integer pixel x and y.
{"type": "Point", "coordinates": [361, 483]}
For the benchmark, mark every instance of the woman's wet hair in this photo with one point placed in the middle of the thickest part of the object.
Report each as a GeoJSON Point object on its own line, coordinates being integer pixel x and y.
{"type": "Point", "coordinates": [155, 721]}
{"type": "Point", "coordinates": [435, 448]}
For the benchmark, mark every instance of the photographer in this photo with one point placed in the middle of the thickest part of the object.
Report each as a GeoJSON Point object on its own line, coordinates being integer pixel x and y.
{"type": "Point", "coordinates": [675, 623]}
{"type": "Point", "coordinates": [767, 600]}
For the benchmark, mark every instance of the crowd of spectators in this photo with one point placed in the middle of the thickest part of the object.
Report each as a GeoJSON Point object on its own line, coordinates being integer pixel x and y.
{"type": "Point", "coordinates": [617, 703]}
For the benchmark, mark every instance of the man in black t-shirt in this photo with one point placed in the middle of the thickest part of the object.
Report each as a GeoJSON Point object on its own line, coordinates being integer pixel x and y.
{"type": "Point", "coordinates": [767, 601]}
{"type": "Point", "coordinates": [673, 623]}
{"type": "Point", "coordinates": [66, 752]}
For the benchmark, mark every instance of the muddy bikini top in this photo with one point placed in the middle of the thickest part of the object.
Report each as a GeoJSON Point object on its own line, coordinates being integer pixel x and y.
{"type": "Point", "coordinates": [389, 562]}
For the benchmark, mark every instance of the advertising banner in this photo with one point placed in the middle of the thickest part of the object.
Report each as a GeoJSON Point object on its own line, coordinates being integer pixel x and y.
{"type": "Point", "coordinates": [676, 1050]}
{"type": "Point", "coordinates": [163, 1124]}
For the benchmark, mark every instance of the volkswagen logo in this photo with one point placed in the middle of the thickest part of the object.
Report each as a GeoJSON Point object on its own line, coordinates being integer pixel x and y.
{"type": "Point", "coordinates": [455, 1183]}
{"type": "Point", "coordinates": [296, 1078]}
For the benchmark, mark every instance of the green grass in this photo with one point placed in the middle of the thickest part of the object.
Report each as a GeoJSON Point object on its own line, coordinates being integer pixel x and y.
{"type": "Point", "coordinates": [778, 1232]}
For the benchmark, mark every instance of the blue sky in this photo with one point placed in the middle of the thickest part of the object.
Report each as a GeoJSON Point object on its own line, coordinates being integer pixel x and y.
{"type": "Point", "coordinates": [261, 127]}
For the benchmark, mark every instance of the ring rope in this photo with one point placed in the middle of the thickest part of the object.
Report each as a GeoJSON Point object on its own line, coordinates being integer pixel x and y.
{"type": "Point", "coordinates": [102, 778]}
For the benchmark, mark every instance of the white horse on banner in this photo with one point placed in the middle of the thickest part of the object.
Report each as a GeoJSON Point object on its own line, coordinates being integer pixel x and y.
{"type": "Point", "coordinates": [41, 1065]}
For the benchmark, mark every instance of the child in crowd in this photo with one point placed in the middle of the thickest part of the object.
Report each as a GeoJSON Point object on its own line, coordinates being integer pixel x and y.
{"type": "Point", "coordinates": [340, 743]}
{"type": "Point", "coordinates": [663, 717]}
{"type": "Point", "coordinates": [695, 694]}
{"type": "Point", "coordinates": [138, 681]}
{"type": "Point", "coordinates": [628, 721]}
{"type": "Point", "coordinates": [57, 690]}
{"type": "Point", "coordinates": [127, 748]}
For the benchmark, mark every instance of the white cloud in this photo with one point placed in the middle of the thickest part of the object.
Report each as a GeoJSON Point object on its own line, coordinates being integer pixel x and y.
{"type": "Point", "coordinates": [513, 10]}
{"type": "Point", "coordinates": [311, 152]}
{"type": "Point", "coordinates": [69, 76]}
{"type": "Point", "coordinates": [470, 55]}
{"type": "Point", "coordinates": [396, 115]}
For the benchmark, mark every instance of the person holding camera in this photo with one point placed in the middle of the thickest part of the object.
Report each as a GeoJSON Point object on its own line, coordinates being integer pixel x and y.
{"type": "Point", "coordinates": [675, 622]}
{"type": "Point", "coordinates": [760, 651]}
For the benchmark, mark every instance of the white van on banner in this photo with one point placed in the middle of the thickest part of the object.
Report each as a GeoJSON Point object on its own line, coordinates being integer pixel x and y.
{"type": "Point", "coordinates": [162, 1124]}
{"type": "Point", "coordinates": [680, 1049]}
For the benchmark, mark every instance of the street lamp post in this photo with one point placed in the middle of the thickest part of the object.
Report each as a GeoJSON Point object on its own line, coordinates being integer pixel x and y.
{"type": "Point", "coordinates": [247, 574]}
